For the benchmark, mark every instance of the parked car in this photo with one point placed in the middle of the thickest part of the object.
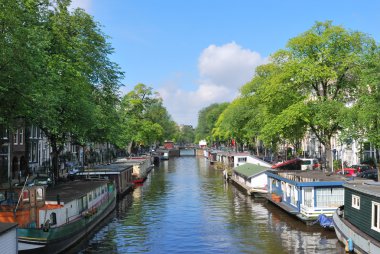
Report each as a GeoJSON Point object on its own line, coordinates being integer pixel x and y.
{"type": "Point", "coordinates": [309, 164]}
{"type": "Point", "coordinates": [348, 172]}
{"type": "Point", "coordinates": [42, 180]}
{"type": "Point", "coordinates": [369, 174]}
{"type": "Point", "coordinates": [362, 167]}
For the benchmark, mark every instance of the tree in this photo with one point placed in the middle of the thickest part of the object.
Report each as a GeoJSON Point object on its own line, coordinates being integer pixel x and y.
{"type": "Point", "coordinates": [23, 42]}
{"type": "Point", "coordinates": [144, 120]}
{"type": "Point", "coordinates": [364, 121]}
{"type": "Point", "coordinates": [185, 135]}
{"type": "Point", "coordinates": [207, 118]}
{"type": "Point", "coordinates": [231, 122]}
{"type": "Point", "coordinates": [322, 67]}
{"type": "Point", "coordinates": [71, 95]}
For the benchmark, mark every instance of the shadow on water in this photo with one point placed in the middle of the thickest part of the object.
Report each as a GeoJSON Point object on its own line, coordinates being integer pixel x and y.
{"type": "Point", "coordinates": [185, 207]}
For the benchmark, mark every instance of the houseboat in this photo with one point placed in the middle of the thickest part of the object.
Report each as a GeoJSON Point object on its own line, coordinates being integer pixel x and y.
{"type": "Point", "coordinates": [357, 223]}
{"type": "Point", "coordinates": [251, 178]}
{"type": "Point", "coordinates": [306, 194]}
{"type": "Point", "coordinates": [235, 159]}
{"type": "Point", "coordinates": [119, 172]}
{"type": "Point", "coordinates": [8, 238]}
{"type": "Point", "coordinates": [51, 220]}
{"type": "Point", "coordinates": [141, 166]}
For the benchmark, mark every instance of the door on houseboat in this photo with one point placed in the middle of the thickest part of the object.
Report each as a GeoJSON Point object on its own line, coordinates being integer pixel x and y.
{"type": "Point", "coordinates": [308, 197]}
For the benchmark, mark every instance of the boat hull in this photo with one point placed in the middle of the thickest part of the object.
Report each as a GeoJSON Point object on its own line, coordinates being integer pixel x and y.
{"type": "Point", "coordinates": [362, 243]}
{"type": "Point", "coordinates": [57, 240]}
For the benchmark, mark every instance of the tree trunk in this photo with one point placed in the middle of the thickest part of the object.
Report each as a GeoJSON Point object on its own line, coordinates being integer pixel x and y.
{"type": "Point", "coordinates": [55, 155]}
{"type": "Point", "coordinates": [328, 156]}
{"type": "Point", "coordinates": [129, 148]}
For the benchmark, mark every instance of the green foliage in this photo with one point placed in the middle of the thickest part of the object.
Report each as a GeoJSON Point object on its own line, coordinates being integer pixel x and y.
{"type": "Point", "coordinates": [185, 135]}
{"type": "Point", "coordinates": [144, 120]}
{"type": "Point", "coordinates": [207, 118]}
{"type": "Point", "coordinates": [309, 86]}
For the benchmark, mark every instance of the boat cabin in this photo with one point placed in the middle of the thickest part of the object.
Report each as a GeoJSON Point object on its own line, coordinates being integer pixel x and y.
{"type": "Point", "coordinates": [119, 172]}
{"type": "Point", "coordinates": [362, 207]}
{"type": "Point", "coordinates": [251, 177]}
{"type": "Point", "coordinates": [306, 194]}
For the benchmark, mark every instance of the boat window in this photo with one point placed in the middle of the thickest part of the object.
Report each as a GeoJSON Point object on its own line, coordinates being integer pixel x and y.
{"type": "Point", "coordinates": [308, 197]}
{"type": "Point", "coordinates": [40, 193]}
{"type": "Point", "coordinates": [2, 196]}
{"type": "Point", "coordinates": [53, 218]}
{"type": "Point", "coordinates": [375, 216]}
{"type": "Point", "coordinates": [329, 197]}
{"type": "Point", "coordinates": [25, 196]}
{"type": "Point", "coordinates": [242, 159]}
{"type": "Point", "coordinates": [355, 202]}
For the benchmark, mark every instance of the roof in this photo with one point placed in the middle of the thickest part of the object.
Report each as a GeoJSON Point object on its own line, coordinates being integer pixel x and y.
{"type": "Point", "coordinates": [4, 227]}
{"type": "Point", "coordinates": [107, 169]}
{"type": "Point", "coordinates": [368, 187]}
{"type": "Point", "coordinates": [250, 170]}
{"type": "Point", "coordinates": [72, 190]}
{"type": "Point", "coordinates": [287, 163]}
{"type": "Point", "coordinates": [308, 177]}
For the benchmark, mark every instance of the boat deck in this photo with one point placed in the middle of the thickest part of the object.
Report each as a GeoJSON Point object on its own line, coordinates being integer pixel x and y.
{"type": "Point", "coordinates": [71, 190]}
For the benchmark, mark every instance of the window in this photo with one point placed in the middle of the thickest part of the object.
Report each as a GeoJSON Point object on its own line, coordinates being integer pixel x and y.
{"type": "Point", "coordinates": [2, 196]}
{"type": "Point", "coordinates": [15, 137]}
{"type": "Point", "coordinates": [33, 151]}
{"type": "Point", "coordinates": [243, 159]}
{"type": "Point", "coordinates": [25, 196]}
{"type": "Point", "coordinates": [21, 136]}
{"type": "Point", "coordinates": [329, 197]}
{"type": "Point", "coordinates": [355, 202]}
{"type": "Point", "coordinates": [375, 225]}
{"type": "Point", "coordinates": [53, 218]}
{"type": "Point", "coordinates": [39, 194]}
{"type": "Point", "coordinates": [308, 197]}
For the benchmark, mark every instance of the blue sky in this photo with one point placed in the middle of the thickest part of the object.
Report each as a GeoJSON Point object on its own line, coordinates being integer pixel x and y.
{"type": "Point", "coordinates": [198, 52]}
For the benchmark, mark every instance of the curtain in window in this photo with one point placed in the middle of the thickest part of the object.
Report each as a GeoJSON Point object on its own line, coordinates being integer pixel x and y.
{"type": "Point", "coordinates": [329, 197]}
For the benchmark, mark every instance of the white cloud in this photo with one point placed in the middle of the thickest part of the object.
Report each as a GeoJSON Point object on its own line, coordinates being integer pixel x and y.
{"type": "Point", "coordinates": [83, 4]}
{"type": "Point", "coordinates": [222, 71]}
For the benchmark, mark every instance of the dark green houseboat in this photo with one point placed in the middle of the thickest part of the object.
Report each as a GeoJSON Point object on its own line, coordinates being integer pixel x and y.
{"type": "Point", "coordinates": [357, 223]}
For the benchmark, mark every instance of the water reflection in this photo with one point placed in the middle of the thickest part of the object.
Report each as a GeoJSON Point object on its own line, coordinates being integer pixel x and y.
{"type": "Point", "coordinates": [186, 207]}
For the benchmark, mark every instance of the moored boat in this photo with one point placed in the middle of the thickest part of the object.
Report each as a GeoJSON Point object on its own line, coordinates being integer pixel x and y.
{"type": "Point", "coordinates": [357, 223]}
{"type": "Point", "coordinates": [51, 220]}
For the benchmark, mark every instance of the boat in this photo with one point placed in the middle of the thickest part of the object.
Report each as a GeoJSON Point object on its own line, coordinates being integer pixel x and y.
{"type": "Point", "coordinates": [251, 178]}
{"type": "Point", "coordinates": [52, 219]}
{"type": "Point", "coordinates": [141, 167]}
{"type": "Point", "coordinates": [306, 194]}
{"type": "Point", "coordinates": [357, 223]}
{"type": "Point", "coordinates": [119, 172]}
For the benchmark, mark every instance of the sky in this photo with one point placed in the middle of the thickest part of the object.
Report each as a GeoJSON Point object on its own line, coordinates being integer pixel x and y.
{"type": "Point", "coordinates": [198, 52]}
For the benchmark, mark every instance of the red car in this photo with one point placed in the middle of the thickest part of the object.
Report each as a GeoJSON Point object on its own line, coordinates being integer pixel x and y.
{"type": "Point", "coordinates": [348, 172]}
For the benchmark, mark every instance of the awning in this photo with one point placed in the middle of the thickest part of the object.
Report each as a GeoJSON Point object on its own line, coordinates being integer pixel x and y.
{"type": "Point", "coordinates": [292, 162]}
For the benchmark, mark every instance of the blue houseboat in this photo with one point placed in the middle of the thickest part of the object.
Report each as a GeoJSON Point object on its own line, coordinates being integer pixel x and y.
{"type": "Point", "coordinates": [357, 223]}
{"type": "Point", "coordinates": [306, 194]}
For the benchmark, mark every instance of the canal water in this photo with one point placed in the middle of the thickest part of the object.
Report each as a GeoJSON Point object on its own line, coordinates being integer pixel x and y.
{"type": "Point", "coordinates": [186, 207]}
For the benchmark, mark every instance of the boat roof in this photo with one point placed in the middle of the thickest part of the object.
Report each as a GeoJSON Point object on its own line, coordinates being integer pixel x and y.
{"type": "Point", "coordinates": [4, 227]}
{"type": "Point", "coordinates": [132, 160]}
{"type": "Point", "coordinates": [250, 170]}
{"type": "Point", "coordinates": [107, 169]}
{"type": "Point", "coordinates": [303, 176]}
{"type": "Point", "coordinates": [368, 187]}
{"type": "Point", "coordinates": [72, 190]}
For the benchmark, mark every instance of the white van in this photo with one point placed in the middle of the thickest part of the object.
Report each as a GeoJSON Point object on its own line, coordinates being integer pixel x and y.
{"type": "Point", "coordinates": [309, 164]}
